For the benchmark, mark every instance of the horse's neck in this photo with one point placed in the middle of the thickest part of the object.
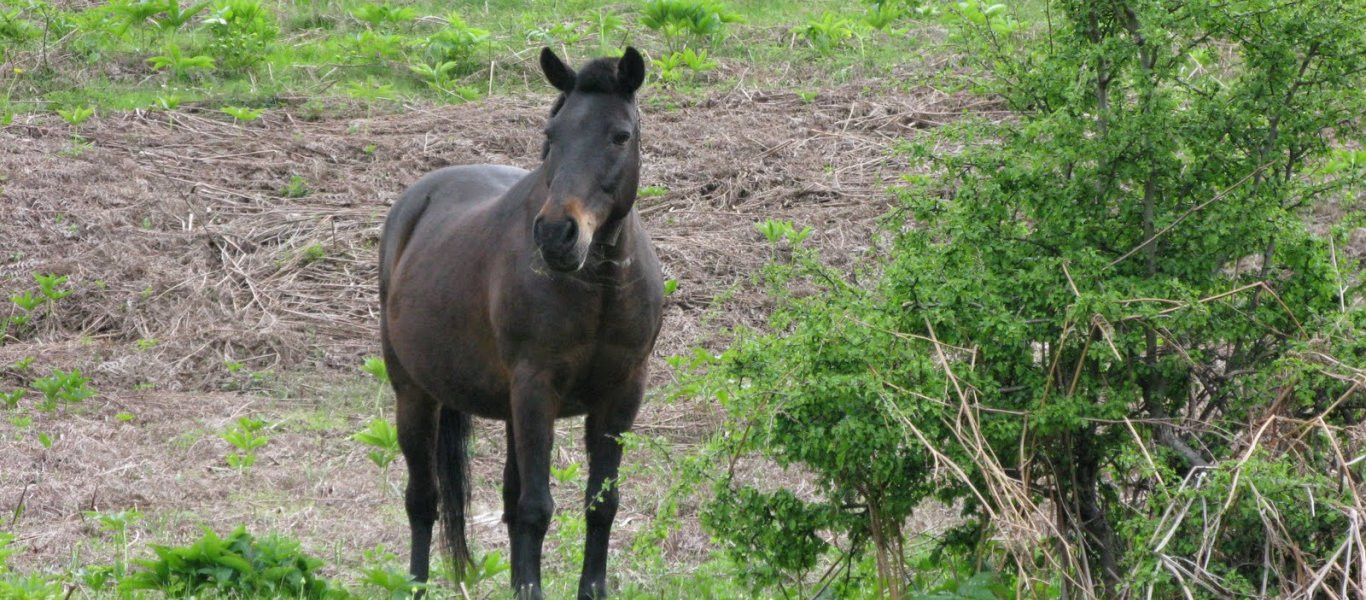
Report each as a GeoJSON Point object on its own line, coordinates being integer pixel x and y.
{"type": "Point", "coordinates": [614, 245]}
{"type": "Point", "coordinates": [612, 232]}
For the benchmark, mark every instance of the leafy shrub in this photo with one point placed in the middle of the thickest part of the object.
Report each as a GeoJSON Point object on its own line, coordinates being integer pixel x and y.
{"type": "Point", "coordinates": [1103, 312]}
{"type": "Point", "coordinates": [238, 565]}
{"type": "Point", "coordinates": [834, 423]}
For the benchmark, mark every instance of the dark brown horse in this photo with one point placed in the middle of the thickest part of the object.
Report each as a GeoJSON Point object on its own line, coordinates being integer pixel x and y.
{"type": "Point", "coordinates": [524, 297]}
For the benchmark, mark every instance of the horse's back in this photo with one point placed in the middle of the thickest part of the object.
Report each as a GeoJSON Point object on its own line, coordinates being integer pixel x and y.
{"type": "Point", "coordinates": [465, 183]}
{"type": "Point", "coordinates": [447, 189]}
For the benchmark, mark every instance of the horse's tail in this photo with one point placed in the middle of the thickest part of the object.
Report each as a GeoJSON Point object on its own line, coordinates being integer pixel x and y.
{"type": "Point", "coordinates": [453, 483]}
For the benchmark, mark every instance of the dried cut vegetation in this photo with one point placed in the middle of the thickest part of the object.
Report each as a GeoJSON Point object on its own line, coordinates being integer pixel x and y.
{"type": "Point", "coordinates": [176, 228]}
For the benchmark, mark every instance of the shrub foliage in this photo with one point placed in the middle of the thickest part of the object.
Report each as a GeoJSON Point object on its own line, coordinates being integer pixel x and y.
{"type": "Point", "coordinates": [1104, 330]}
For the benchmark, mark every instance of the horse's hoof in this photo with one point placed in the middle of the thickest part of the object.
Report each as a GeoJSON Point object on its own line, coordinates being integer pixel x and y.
{"type": "Point", "coordinates": [529, 592]}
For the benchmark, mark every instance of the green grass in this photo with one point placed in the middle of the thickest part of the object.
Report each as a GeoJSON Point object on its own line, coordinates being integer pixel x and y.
{"type": "Point", "coordinates": [322, 50]}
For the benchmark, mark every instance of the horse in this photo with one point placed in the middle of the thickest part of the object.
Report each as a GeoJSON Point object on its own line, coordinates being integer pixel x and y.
{"type": "Point", "coordinates": [524, 297]}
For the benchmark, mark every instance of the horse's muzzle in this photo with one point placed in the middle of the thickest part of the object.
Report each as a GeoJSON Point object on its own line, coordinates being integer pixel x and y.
{"type": "Point", "coordinates": [560, 243]}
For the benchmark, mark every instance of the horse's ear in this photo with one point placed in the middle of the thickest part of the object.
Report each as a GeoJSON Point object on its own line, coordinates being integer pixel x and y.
{"type": "Point", "coordinates": [630, 71]}
{"type": "Point", "coordinates": [556, 72]}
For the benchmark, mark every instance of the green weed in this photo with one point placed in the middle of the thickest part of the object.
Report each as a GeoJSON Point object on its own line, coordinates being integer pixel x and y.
{"type": "Point", "coordinates": [829, 33]}
{"type": "Point", "coordinates": [567, 474]}
{"type": "Point", "coordinates": [652, 191]}
{"type": "Point", "coordinates": [242, 114]}
{"type": "Point", "coordinates": [76, 115]}
{"type": "Point", "coordinates": [238, 565]}
{"type": "Point", "coordinates": [383, 437]}
{"type": "Point", "coordinates": [241, 33]}
{"type": "Point", "coordinates": [117, 523]}
{"type": "Point", "coordinates": [376, 367]}
{"type": "Point", "coordinates": [174, 16]}
{"type": "Point", "coordinates": [180, 65]}
{"type": "Point", "coordinates": [50, 286]}
{"type": "Point", "coordinates": [384, 573]}
{"type": "Point", "coordinates": [377, 15]}
{"type": "Point", "coordinates": [776, 230]}
{"type": "Point", "coordinates": [676, 19]}
{"type": "Point", "coordinates": [454, 43]}
{"type": "Point", "coordinates": [296, 188]}
{"type": "Point", "coordinates": [62, 387]}
{"type": "Point", "coordinates": [11, 398]}
{"type": "Point", "coordinates": [27, 300]}
{"type": "Point", "coordinates": [672, 66]}
{"type": "Point", "coordinates": [246, 438]}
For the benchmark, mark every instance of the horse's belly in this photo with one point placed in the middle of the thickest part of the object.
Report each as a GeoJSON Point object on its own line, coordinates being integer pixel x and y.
{"type": "Point", "coordinates": [462, 383]}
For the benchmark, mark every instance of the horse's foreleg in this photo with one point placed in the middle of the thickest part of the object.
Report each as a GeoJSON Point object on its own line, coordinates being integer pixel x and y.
{"type": "Point", "coordinates": [533, 428]}
{"type": "Point", "coordinates": [603, 430]}
{"type": "Point", "coordinates": [417, 422]}
{"type": "Point", "coordinates": [512, 483]}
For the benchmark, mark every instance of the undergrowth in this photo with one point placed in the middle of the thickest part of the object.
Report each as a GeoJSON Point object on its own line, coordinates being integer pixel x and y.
{"type": "Point", "coordinates": [136, 54]}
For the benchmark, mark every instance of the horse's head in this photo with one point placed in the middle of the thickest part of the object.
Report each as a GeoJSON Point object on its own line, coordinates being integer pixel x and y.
{"type": "Point", "coordinates": [591, 155]}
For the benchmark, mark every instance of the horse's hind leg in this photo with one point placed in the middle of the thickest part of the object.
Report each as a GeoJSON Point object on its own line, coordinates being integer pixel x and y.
{"type": "Point", "coordinates": [417, 422]}
{"type": "Point", "coordinates": [603, 430]}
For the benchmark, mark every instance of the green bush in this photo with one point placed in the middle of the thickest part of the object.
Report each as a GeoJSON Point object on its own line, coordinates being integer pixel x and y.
{"type": "Point", "coordinates": [1088, 313]}
{"type": "Point", "coordinates": [239, 565]}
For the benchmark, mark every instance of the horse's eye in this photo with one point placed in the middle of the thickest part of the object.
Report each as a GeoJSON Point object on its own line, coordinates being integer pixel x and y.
{"type": "Point", "coordinates": [621, 137]}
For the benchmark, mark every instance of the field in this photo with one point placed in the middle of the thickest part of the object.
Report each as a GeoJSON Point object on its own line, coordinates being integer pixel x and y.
{"type": "Point", "coordinates": [190, 206]}
{"type": "Point", "coordinates": [204, 289]}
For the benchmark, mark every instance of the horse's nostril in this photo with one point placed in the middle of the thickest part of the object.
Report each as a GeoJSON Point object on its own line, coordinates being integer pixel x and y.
{"type": "Point", "coordinates": [571, 232]}
{"type": "Point", "coordinates": [536, 227]}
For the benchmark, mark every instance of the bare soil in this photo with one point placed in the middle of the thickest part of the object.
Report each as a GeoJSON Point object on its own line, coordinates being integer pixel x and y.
{"type": "Point", "coordinates": [203, 294]}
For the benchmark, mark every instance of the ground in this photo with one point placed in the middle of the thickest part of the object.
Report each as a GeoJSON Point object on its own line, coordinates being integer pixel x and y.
{"type": "Point", "coordinates": [203, 292]}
